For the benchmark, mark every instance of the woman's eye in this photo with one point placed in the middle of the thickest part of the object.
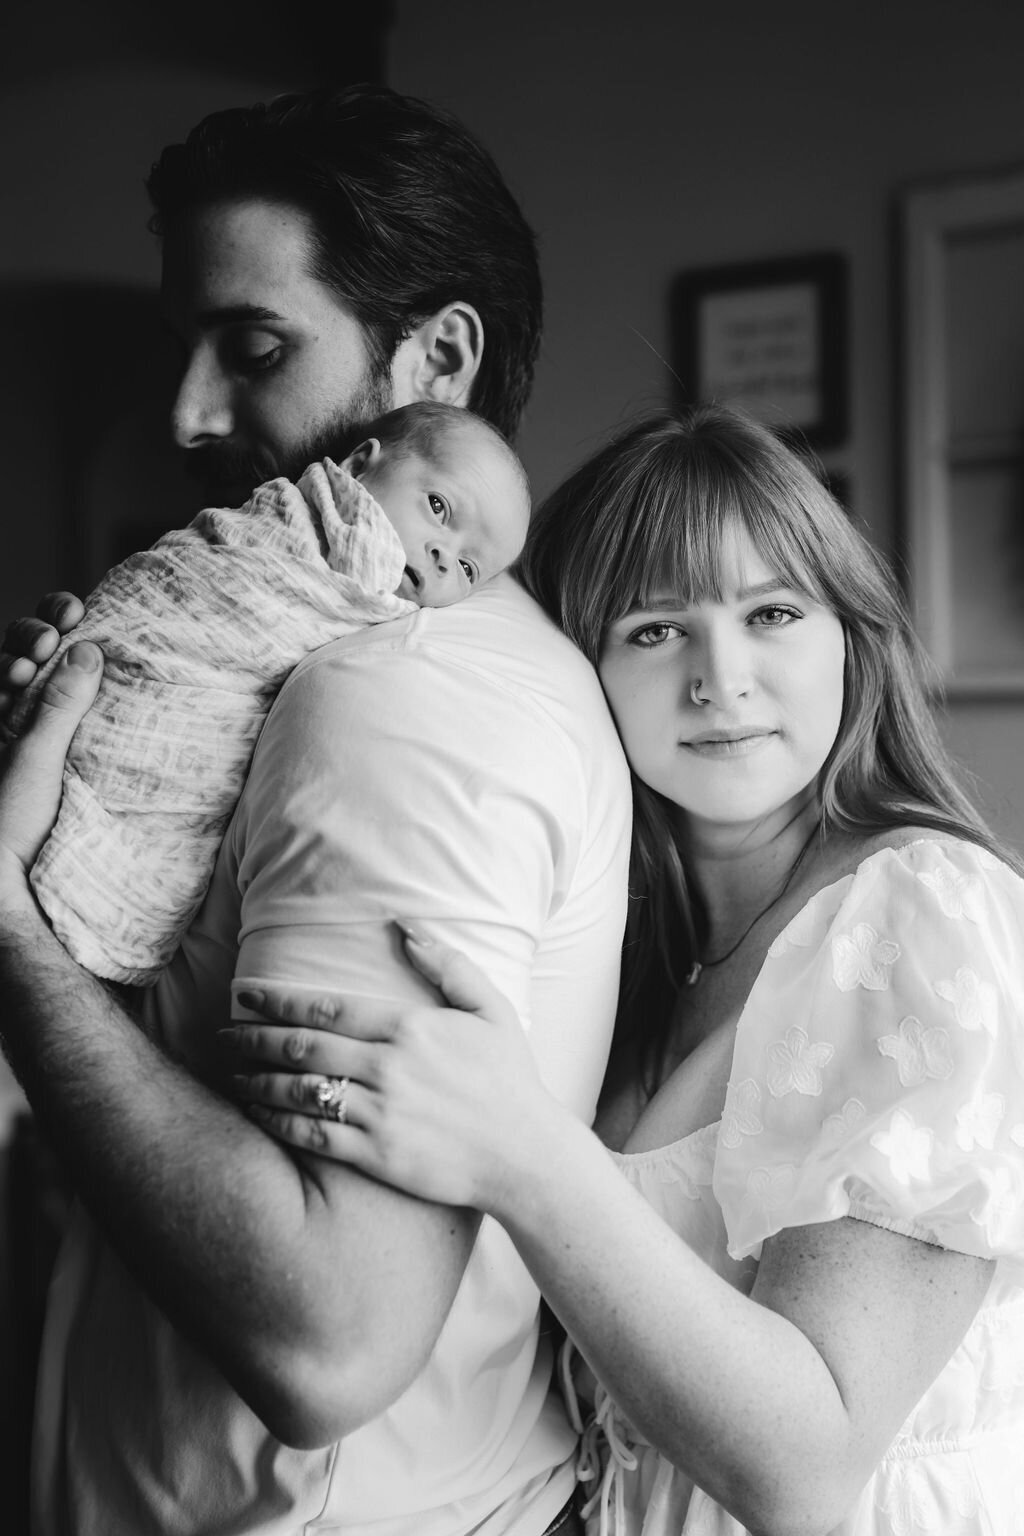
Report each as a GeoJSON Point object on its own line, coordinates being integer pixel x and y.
{"type": "Point", "coordinates": [438, 506]}
{"type": "Point", "coordinates": [774, 617]}
{"type": "Point", "coordinates": [652, 635]}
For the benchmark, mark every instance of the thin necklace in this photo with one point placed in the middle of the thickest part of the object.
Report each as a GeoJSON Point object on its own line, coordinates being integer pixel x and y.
{"type": "Point", "coordinates": [698, 967]}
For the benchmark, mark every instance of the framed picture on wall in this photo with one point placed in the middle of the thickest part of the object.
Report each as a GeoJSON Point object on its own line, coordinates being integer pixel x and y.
{"type": "Point", "coordinates": [768, 336]}
{"type": "Point", "coordinates": [961, 256]}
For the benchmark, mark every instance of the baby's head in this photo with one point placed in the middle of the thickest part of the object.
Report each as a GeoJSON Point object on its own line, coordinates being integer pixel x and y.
{"type": "Point", "coordinates": [454, 492]}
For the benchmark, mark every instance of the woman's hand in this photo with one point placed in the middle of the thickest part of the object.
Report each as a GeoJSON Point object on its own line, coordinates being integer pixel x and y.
{"type": "Point", "coordinates": [440, 1102]}
{"type": "Point", "coordinates": [28, 643]}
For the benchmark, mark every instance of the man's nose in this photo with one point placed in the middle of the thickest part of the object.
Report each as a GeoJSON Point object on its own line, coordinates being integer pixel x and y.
{"type": "Point", "coordinates": [202, 408]}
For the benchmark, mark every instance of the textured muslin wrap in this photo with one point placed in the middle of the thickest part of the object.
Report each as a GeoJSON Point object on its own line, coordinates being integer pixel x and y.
{"type": "Point", "coordinates": [198, 635]}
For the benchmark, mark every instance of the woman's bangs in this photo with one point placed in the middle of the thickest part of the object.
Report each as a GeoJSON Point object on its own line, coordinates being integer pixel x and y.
{"type": "Point", "coordinates": [785, 542]}
{"type": "Point", "coordinates": [682, 556]}
{"type": "Point", "coordinates": [677, 550]}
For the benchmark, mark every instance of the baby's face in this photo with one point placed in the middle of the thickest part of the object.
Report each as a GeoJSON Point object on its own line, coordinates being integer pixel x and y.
{"type": "Point", "coordinates": [461, 516]}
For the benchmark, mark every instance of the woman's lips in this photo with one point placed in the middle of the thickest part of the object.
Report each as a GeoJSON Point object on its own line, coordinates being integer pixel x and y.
{"type": "Point", "coordinates": [738, 743]}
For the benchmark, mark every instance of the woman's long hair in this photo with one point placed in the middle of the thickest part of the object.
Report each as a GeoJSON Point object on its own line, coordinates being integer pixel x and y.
{"type": "Point", "coordinates": [650, 510]}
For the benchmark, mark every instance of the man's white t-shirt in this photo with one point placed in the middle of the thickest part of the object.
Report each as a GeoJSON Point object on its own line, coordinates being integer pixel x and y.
{"type": "Point", "coordinates": [458, 769]}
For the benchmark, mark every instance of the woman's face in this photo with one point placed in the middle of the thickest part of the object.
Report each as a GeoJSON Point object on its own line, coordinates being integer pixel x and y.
{"type": "Point", "coordinates": [765, 661]}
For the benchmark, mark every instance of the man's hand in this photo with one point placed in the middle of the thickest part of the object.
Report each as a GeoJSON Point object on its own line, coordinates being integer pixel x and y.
{"type": "Point", "coordinates": [30, 781]}
{"type": "Point", "coordinates": [28, 643]}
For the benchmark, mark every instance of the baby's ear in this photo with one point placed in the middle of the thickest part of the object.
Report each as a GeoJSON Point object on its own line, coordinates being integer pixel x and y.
{"type": "Point", "coordinates": [363, 458]}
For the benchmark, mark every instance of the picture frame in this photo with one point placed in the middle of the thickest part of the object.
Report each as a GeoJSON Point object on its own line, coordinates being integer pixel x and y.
{"type": "Point", "coordinates": [771, 337]}
{"type": "Point", "coordinates": [961, 250]}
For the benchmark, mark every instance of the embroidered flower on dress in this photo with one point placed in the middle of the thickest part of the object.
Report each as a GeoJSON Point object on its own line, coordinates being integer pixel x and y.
{"type": "Point", "coordinates": [740, 1117]}
{"type": "Point", "coordinates": [770, 1187]}
{"type": "Point", "coordinates": [919, 1051]}
{"type": "Point", "coordinates": [996, 1210]}
{"type": "Point", "coordinates": [974, 1000]}
{"type": "Point", "coordinates": [907, 1145]}
{"type": "Point", "coordinates": [862, 959]}
{"type": "Point", "coordinates": [978, 1121]}
{"type": "Point", "coordinates": [795, 1064]}
{"type": "Point", "coordinates": [958, 895]}
{"type": "Point", "coordinates": [944, 1503]}
{"type": "Point", "coordinates": [836, 1128]}
{"type": "Point", "coordinates": [1002, 1371]}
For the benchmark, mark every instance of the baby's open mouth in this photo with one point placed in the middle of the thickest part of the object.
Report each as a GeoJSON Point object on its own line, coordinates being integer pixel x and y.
{"type": "Point", "coordinates": [413, 577]}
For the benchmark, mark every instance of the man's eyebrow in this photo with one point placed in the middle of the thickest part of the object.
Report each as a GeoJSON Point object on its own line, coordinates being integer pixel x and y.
{"type": "Point", "coordinates": [230, 314]}
{"type": "Point", "coordinates": [235, 314]}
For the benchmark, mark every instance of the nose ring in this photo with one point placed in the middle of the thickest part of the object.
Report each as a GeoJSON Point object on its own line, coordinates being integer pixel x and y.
{"type": "Point", "coordinates": [695, 688]}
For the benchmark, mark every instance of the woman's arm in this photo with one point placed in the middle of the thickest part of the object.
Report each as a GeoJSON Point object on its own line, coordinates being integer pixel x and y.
{"type": "Point", "coordinates": [779, 1405]}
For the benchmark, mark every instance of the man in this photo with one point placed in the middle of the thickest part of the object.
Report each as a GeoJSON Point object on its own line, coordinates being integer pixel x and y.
{"type": "Point", "coordinates": [240, 1338]}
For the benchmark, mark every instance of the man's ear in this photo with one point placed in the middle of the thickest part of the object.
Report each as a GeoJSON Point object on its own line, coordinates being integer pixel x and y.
{"type": "Point", "coordinates": [362, 458]}
{"type": "Point", "coordinates": [441, 359]}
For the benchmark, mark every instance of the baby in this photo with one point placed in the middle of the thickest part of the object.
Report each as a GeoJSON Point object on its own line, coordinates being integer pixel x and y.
{"type": "Point", "coordinates": [198, 635]}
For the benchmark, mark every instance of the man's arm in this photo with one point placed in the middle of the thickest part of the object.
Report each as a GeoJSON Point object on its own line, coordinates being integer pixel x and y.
{"type": "Point", "coordinates": [318, 1292]}
{"type": "Point", "coordinates": [296, 1290]}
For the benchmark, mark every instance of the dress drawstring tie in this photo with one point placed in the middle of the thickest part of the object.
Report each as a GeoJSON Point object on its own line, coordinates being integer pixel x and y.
{"type": "Point", "coordinates": [606, 1428]}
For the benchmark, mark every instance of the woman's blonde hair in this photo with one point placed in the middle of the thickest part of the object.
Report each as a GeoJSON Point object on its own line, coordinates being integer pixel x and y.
{"type": "Point", "coordinates": [649, 510]}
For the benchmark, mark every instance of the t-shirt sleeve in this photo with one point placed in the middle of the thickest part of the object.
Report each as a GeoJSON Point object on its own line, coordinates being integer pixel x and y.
{"type": "Point", "coordinates": [389, 783]}
{"type": "Point", "coordinates": [879, 1060]}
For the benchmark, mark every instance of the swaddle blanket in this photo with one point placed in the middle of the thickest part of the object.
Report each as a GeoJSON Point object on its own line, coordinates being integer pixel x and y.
{"type": "Point", "coordinates": [198, 635]}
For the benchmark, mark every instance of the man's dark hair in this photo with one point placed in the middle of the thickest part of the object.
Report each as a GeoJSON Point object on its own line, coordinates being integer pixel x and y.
{"type": "Point", "coordinates": [410, 213]}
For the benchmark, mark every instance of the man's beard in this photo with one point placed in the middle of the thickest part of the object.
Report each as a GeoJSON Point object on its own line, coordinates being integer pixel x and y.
{"type": "Point", "coordinates": [229, 473]}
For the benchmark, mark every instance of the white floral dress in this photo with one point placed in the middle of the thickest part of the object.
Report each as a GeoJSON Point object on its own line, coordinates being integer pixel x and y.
{"type": "Point", "coordinates": [878, 1073]}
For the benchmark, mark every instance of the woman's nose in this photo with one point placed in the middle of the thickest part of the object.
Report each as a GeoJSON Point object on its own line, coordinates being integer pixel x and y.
{"type": "Point", "coordinates": [202, 407]}
{"type": "Point", "coordinates": [721, 668]}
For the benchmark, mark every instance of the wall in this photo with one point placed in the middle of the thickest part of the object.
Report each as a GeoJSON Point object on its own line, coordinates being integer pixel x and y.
{"type": "Point", "coordinates": [645, 139]}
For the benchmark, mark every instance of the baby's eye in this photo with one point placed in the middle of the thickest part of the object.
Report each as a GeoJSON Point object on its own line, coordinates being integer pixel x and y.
{"type": "Point", "coordinates": [438, 506]}
{"type": "Point", "coordinates": [469, 570]}
{"type": "Point", "coordinates": [651, 635]}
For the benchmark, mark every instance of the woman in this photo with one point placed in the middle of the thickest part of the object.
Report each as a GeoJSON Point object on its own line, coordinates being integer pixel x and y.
{"type": "Point", "coordinates": [797, 1281]}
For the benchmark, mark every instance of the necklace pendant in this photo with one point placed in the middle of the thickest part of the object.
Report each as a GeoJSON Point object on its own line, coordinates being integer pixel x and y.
{"type": "Point", "coordinates": [693, 974]}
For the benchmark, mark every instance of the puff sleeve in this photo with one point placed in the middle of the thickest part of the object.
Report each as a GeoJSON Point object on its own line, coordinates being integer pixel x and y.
{"type": "Point", "coordinates": [879, 1061]}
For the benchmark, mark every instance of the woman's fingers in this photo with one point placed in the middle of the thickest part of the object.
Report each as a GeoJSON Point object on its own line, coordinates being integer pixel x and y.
{"type": "Point", "coordinates": [365, 1018]}
{"type": "Point", "coordinates": [338, 1099]}
{"type": "Point", "coordinates": [342, 1143]}
{"type": "Point", "coordinates": [462, 983]}
{"type": "Point", "coordinates": [299, 1050]}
